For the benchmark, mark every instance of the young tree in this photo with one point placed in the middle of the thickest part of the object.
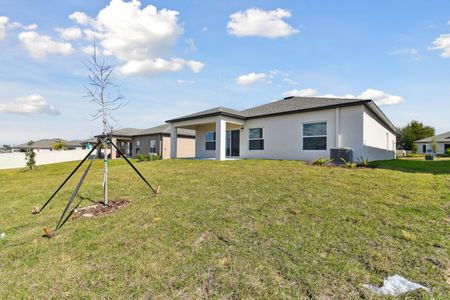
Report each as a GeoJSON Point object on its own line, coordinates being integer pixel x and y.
{"type": "Point", "coordinates": [414, 148]}
{"type": "Point", "coordinates": [30, 156]}
{"type": "Point", "coordinates": [412, 132]}
{"type": "Point", "coordinates": [434, 146]}
{"type": "Point", "coordinates": [98, 91]}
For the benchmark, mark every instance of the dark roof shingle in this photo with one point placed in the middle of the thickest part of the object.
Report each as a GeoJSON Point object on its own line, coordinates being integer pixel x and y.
{"type": "Point", "coordinates": [289, 105]}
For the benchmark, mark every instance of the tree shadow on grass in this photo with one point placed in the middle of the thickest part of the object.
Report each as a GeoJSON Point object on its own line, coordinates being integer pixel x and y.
{"type": "Point", "coordinates": [415, 166]}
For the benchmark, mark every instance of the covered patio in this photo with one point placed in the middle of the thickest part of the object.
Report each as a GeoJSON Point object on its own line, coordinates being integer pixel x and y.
{"type": "Point", "coordinates": [217, 133]}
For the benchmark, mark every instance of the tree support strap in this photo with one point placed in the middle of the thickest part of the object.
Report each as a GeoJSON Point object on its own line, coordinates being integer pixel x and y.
{"type": "Point", "coordinates": [74, 194]}
{"type": "Point", "coordinates": [67, 179]}
{"type": "Point", "coordinates": [134, 168]}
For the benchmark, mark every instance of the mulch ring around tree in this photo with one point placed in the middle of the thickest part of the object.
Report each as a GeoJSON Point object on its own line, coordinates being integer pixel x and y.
{"type": "Point", "coordinates": [99, 209]}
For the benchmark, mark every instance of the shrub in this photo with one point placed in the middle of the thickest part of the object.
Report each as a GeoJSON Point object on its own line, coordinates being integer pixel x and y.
{"type": "Point", "coordinates": [363, 162]}
{"type": "Point", "coordinates": [447, 152]}
{"type": "Point", "coordinates": [321, 161]}
{"type": "Point", "coordinates": [58, 146]}
{"type": "Point", "coordinates": [349, 164]}
{"type": "Point", "coordinates": [148, 157]}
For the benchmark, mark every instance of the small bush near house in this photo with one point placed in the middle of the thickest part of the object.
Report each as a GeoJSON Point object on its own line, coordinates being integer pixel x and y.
{"type": "Point", "coordinates": [349, 164]}
{"type": "Point", "coordinates": [322, 161]}
{"type": "Point", "coordinates": [447, 152]}
{"type": "Point", "coordinates": [148, 157]}
{"type": "Point", "coordinates": [363, 162]}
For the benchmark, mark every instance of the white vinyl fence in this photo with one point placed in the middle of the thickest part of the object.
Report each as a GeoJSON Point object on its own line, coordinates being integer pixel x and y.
{"type": "Point", "coordinates": [17, 159]}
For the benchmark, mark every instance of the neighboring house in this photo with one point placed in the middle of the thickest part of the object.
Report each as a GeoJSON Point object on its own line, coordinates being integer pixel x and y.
{"type": "Point", "coordinates": [46, 145]}
{"type": "Point", "coordinates": [133, 141]}
{"type": "Point", "coordinates": [300, 128]}
{"type": "Point", "coordinates": [442, 141]}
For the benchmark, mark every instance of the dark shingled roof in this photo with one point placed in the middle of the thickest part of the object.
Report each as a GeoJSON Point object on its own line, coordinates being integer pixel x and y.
{"type": "Point", "coordinates": [220, 110]}
{"type": "Point", "coordinates": [289, 105]}
{"type": "Point", "coordinates": [160, 129]}
{"type": "Point", "coordinates": [165, 129]}
{"type": "Point", "coordinates": [440, 138]}
{"type": "Point", "coordinates": [47, 144]}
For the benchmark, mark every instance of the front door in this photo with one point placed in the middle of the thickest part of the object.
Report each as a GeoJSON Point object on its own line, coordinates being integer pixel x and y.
{"type": "Point", "coordinates": [232, 143]}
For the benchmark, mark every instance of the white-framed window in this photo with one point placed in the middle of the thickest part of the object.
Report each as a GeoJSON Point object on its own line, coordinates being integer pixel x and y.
{"type": "Point", "coordinates": [255, 139]}
{"type": "Point", "coordinates": [138, 147]}
{"type": "Point", "coordinates": [153, 146]}
{"type": "Point", "coordinates": [210, 140]}
{"type": "Point", "coordinates": [315, 136]}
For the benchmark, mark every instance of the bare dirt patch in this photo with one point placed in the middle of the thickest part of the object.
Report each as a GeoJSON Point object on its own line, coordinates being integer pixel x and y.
{"type": "Point", "coordinates": [99, 209]}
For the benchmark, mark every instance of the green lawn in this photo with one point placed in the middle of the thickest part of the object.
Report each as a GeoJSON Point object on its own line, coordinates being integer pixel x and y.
{"type": "Point", "coordinates": [233, 229]}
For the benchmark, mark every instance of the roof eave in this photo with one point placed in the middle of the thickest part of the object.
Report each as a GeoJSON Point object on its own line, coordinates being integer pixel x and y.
{"type": "Point", "coordinates": [205, 116]}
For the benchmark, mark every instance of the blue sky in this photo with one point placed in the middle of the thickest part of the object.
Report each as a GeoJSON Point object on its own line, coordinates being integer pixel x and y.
{"type": "Point", "coordinates": [185, 56]}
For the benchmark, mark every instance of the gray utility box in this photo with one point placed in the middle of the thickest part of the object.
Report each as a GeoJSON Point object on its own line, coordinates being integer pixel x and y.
{"type": "Point", "coordinates": [337, 153]}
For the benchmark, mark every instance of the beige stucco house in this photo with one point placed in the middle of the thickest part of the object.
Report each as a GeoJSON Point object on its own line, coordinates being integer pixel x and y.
{"type": "Point", "coordinates": [133, 141]}
{"type": "Point", "coordinates": [300, 128]}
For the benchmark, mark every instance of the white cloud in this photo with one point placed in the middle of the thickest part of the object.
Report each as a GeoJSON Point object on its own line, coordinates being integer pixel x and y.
{"type": "Point", "coordinates": [413, 53]}
{"type": "Point", "coordinates": [158, 65]}
{"type": "Point", "coordinates": [28, 105]}
{"type": "Point", "coordinates": [379, 97]}
{"type": "Point", "coordinates": [31, 27]}
{"type": "Point", "coordinates": [191, 47]}
{"type": "Point", "coordinates": [301, 93]}
{"type": "Point", "coordinates": [442, 43]}
{"type": "Point", "coordinates": [3, 22]}
{"type": "Point", "coordinates": [258, 22]}
{"type": "Point", "coordinates": [70, 33]}
{"type": "Point", "coordinates": [138, 37]}
{"type": "Point", "coordinates": [290, 81]}
{"type": "Point", "coordinates": [251, 78]}
{"type": "Point", "coordinates": [38, 46]}
{"type": "Point", "coordinates": [88, 50]}
{"type": "Point", "coordinates": [183, 81]}
{"type": "Point", "coordinates": [80, 18]}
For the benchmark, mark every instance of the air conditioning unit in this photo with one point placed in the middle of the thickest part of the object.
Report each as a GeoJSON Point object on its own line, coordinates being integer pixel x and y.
{"type": "Point", "coordinates": [337, 154]}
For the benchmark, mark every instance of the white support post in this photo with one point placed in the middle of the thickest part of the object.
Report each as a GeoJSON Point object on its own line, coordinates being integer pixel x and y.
{"type": "Point", "coordinates": [173, 142]}
{"type": "Point", "coordinates": [338, 127]}
{"type": "Point", "coordinates": [221, 127]}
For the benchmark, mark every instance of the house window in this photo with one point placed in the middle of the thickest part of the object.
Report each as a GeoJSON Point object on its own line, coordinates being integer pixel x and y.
{"type": "Point", "coordinates": [210, 138]}
{"type": "Point", "coordinates": [315, 136]}
{"type": "Point", "coordinates": [255, 139]}
{"type": "Point", "coordinates": [138, 146]}
{"type": "Point", "coordinates": [152, 146]}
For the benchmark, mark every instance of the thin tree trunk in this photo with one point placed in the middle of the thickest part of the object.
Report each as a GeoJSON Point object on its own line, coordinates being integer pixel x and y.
{"type": "Point", "coordinates": [105, 175]}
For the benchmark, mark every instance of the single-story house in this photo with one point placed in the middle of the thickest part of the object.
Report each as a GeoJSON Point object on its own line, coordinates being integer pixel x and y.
{"type": "Point", "coordinates": [442, 141]}
{"type": "Point", "coordinates": [299, 128]}
{"type": "Point", "coordinates": [133, 141]}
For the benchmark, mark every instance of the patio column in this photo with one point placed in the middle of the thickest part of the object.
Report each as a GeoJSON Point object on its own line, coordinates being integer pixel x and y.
{"type": "Point", "coordinates": [113, 150]}
{"type": "Point", "coordinates": [173, 142]}
{"type": "Point", "coordinates": [220, 139]}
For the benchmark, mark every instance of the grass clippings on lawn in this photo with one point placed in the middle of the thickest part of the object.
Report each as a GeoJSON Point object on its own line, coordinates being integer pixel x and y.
{"type": "Point", "coordinates": [233, 229]}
